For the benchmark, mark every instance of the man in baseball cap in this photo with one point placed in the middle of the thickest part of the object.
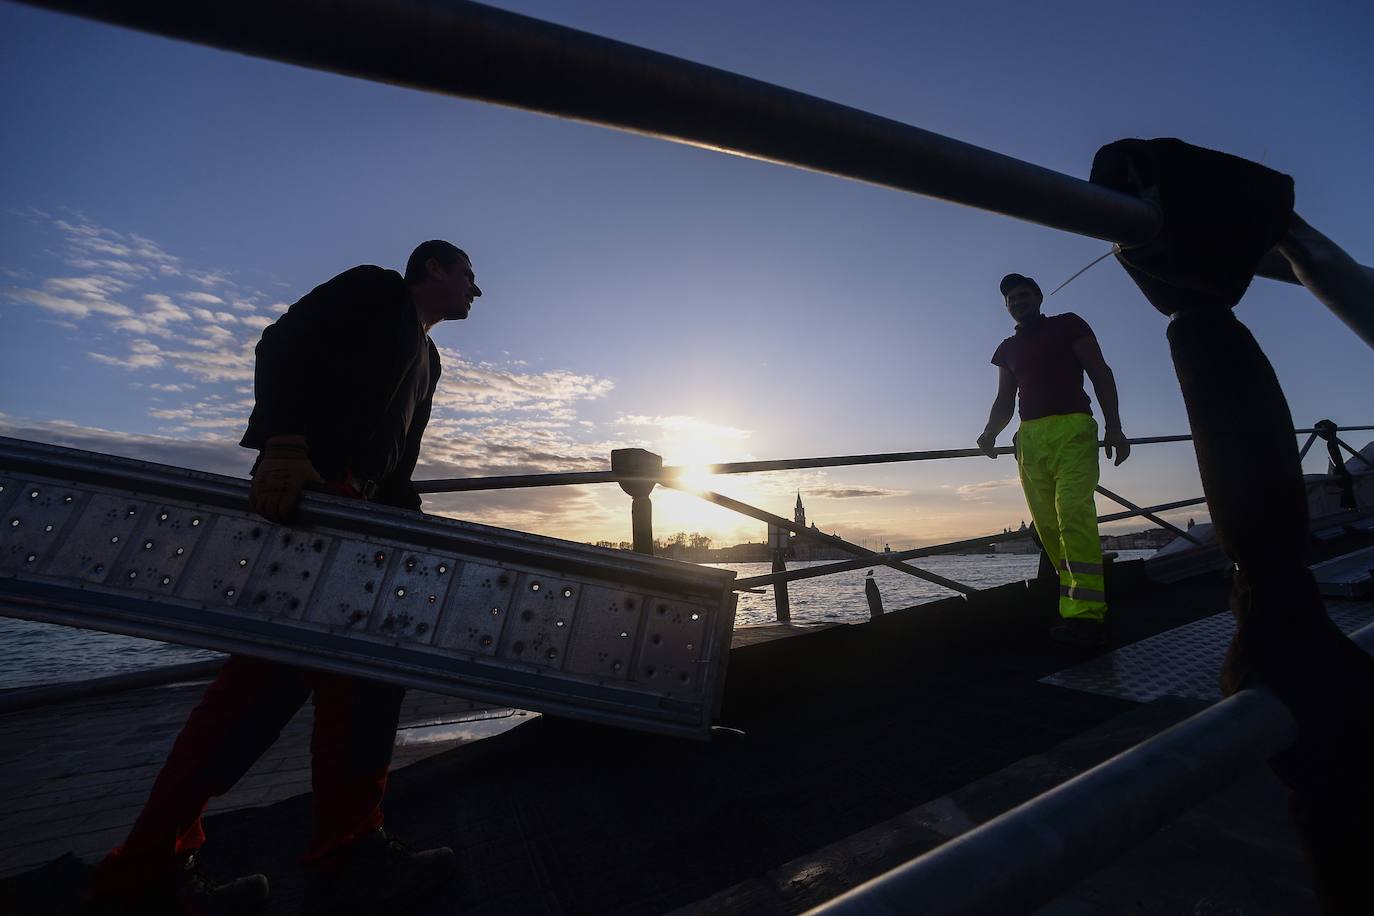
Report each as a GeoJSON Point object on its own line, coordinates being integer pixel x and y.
{"type": "Point", "coordinates": [1044, 362]}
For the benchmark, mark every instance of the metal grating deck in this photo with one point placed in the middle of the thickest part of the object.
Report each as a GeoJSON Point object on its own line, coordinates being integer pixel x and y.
{"type": "Point", "coordinates": [1182, 662]}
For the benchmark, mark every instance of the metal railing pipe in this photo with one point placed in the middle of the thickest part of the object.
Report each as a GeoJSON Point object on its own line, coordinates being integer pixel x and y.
{"type": "Point", "coordinates": [1162, 507]}
{"type": "Point", "coordinates": [1029, 855]}
{"type": "Point", "coordinates": [839, 543]}
{"type": "Point", "coordinates": [558, 479]}
{"type": "Point", "coordinates": [477, 52]}
{"type": "Point", "coordinates": [1345, 445]}
{"type": "Point", "coordinates": [831, 569]}
{"type": "Point", "coordinates": [1167, 526]}
{"type": "Point", "coordinates": [514, 481]}
{"type": "Point", "coordinates": [1032, 853]}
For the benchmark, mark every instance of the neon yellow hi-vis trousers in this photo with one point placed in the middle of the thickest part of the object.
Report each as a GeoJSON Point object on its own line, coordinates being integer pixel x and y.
{"type": "Point", "coordinates": [1057, 458]}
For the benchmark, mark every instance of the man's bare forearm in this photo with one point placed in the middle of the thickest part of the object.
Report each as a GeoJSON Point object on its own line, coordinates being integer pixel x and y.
{"type": "Point", "coordinates": [999, 417]}
{"type": "Point", "coordinates": [1104, 383]}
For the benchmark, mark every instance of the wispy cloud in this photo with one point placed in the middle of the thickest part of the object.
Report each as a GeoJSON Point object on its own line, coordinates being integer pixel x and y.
{"type": "Point", "coordinates": [855, 492]}
{"type": "Point", "coordinates": [190, 354]}
{"type": "Point", "coordinates": [980, 491]}
{"type": "Point", "coordinates": [129, 253]}
{"type": "Point", "coordinates": [53, 298]}
{"type": "Point", "coordinates": [478, 387]}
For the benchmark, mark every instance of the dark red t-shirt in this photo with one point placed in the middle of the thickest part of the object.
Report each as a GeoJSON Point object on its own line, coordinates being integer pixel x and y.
{"type": "Point", "coordinates": [1049, 377]}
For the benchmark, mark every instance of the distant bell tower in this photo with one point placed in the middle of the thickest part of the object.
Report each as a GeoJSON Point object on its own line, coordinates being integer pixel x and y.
{"type": "Point", "coordinates": [799, 512]}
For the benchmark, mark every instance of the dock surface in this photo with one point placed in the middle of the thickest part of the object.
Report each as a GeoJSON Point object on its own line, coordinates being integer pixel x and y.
{"type": "Point", "coordinates": [77, 773]}
{"type": "Point", "coordinates": [864, 745]}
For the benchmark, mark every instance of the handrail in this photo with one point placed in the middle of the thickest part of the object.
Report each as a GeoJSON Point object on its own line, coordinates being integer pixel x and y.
{"type": "Point", "coordinates": [477, 52]}
{"type": "Point", "coordinates": [1351, 449]}
{"type": "Point", "coordinates": [575, 478]}
{"type": "Point", "coordinates": [670, 476]}
{"type": "Point", "coordinates": [1162, 507]}
{"type": "Point", "coordinates": [1167, 526]}
{"type": "Point", "coordinates": [932, 549]}
{"type": "Point", "coordinates": [1027, 856]}
{"type": "Point", "coordinates": [872, 556]}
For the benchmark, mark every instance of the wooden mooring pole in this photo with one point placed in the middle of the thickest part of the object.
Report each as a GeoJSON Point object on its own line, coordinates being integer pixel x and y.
{"type": "Point", "coordinates": [780, 600]}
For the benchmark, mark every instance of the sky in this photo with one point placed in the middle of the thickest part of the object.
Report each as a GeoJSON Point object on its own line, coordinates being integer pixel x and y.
{"type": "Point", "coordinates": [161, 203]}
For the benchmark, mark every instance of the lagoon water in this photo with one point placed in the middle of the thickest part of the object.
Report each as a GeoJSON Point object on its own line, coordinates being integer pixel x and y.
{"type": "Point", "coordinates": [35, 653]}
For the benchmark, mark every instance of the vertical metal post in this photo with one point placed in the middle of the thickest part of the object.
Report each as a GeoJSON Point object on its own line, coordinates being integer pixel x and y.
{"type": "Point", "coordinates": [637, 471]}
{"type": "Point", "coordinates": [1326, 430]}
{"type": "Point", "coordinates": [780, 599]}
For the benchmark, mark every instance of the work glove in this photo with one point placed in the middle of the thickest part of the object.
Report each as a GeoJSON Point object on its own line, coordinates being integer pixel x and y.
{"type": "Point", "coordinates": [281, 473]}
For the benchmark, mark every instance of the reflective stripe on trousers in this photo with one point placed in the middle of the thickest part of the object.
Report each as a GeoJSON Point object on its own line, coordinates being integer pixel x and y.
{"type": "Point", "coordinates": [1057, 460]}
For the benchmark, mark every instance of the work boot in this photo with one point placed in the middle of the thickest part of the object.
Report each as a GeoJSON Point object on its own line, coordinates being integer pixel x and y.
{"type": "Point", "coordinates": [188, 891]}
{"type": "Point", "coordinates": [1080, 633]}
{"type": "Point", "coordinates": [198, 893]}
{"type": "Point", "coordinates": [376, 870]}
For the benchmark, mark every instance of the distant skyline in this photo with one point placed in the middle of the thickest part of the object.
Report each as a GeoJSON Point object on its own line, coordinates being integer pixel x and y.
{"type": "Point", "coordinates": [162, 203]}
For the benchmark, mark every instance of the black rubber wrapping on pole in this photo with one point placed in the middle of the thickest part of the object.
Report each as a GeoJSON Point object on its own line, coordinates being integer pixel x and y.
{"type": "Point", "coordinates": [1221, 216]}
{"type": "Point", "coordinates": [636, 470]}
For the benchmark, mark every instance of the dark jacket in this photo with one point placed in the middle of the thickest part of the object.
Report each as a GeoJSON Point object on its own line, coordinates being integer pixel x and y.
{"type": "Point", "coordinates": [335, 368]}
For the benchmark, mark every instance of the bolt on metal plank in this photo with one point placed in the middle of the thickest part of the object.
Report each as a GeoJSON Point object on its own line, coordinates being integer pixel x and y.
{"type": "Point", "coordinates": [422, 601]}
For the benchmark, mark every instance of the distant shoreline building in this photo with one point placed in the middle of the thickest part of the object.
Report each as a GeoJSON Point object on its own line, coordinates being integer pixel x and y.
{"type": "Point", "coordinates": [804, 549]}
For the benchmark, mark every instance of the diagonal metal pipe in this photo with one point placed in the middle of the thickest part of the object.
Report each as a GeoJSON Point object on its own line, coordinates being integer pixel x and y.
{"type": "Point", "coordinates": [931, 550]}
{"type": "Point", "coordinates": [1346, 445]}
{"type": "Point", "coordinates": [871, 556]}
{"type": "Point", "coordinates": [1168, 526]}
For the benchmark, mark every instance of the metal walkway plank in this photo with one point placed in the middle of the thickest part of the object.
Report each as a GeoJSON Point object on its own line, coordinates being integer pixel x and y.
{"type": "Point", "coordinates": [423, 601]}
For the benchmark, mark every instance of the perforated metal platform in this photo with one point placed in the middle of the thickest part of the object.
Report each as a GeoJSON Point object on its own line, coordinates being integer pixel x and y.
{"type": "Point", "coordinates": [500, 616]}
{"type": "Point", "coordinates": [1182, 662]}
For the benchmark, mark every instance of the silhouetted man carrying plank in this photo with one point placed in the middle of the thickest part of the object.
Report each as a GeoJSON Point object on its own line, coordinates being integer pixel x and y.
{"type": "Point", "coordinates": [1056, 452]}
{"type": "Point", "coordinates": [344, 383]}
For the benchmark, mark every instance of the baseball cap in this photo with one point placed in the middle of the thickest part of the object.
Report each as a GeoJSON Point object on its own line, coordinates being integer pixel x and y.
{"type": "Point", "coordinates": [1010, 281]}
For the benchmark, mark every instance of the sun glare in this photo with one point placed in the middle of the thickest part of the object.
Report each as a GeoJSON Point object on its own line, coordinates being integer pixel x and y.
{"type": "Point", "coordinates": [681, 509]}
